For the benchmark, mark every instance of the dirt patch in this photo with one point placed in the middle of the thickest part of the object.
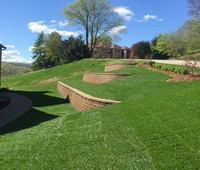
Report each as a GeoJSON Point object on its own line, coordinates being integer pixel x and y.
{"type": "Point", "coordinates": [48, 81]}
{"type": "Point", "coordinates": [176, 77]}
{"type": "Point", "coordinates": [99, 78]}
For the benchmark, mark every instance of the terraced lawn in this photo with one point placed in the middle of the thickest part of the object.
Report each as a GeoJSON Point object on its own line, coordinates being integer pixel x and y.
{"type": "Point", "coordinates": [157, 125]}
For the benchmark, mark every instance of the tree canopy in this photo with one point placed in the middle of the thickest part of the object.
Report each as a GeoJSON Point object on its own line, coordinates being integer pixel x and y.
{"type": "Point", "coordinates": [141, 50]}
{"type": "Point", "coordinates": [39, 52]}
{"type": "Point", "coordinates": [105, 39]}
{"type": "Point", "coordinates": [95, 16]}
{"type": "Point", "coordinates": [158, 47]}
{"type": "Point", "coordinates": [51, 50]}
{"type": "Point", "coordinates": [194, 8]}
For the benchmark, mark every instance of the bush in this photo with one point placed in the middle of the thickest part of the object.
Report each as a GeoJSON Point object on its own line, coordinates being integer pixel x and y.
{"type": "Point", "coordinates": [141, 50]}
{"type": "Point", "coordinates": [172, 68]}
{"type": "Point", "coordinates": [149, 62]}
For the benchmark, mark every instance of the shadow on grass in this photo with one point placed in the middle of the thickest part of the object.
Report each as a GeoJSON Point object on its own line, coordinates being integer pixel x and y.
{"type": "Point", "coordinates": [30, 119]}
{"type": "Point", "coordinates": [41, 98]}
{"type": "Point", "coordinates": [33, 117]}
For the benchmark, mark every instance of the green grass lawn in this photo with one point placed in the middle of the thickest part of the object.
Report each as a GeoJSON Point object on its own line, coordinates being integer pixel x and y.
{"type": "Point", "coordinates": [157, 125]}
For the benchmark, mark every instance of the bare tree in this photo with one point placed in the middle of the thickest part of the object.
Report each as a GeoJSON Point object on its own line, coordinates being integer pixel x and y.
{"type": "Point", "coordinates": [96, 17]}
{"type": "Point", "coordinates": [194, 8]}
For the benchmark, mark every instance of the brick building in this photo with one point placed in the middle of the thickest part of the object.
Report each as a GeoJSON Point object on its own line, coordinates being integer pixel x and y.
{"type": "Point", "coordinates": [104, 50]}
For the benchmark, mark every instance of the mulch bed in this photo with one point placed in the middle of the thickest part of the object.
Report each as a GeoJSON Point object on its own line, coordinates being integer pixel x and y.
{"type": "Point", "coordinates": [176, 77]}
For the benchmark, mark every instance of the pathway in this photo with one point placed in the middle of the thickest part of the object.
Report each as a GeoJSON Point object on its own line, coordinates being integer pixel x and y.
{"type": "Point", "coordinates": [18, 105]}
{"type": "Point", "coordinates": [177, 62]}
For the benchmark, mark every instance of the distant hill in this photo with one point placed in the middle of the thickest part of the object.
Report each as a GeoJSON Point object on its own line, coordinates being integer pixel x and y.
{"type": "Point", "coordinates": [9, 68]}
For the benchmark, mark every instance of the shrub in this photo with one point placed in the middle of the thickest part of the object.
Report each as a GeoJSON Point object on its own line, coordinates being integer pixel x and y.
{"type": "Point", "coordinates": [172, 68]}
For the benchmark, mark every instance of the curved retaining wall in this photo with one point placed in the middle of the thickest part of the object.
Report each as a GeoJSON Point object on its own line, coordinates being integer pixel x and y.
{"type": "Point", "coordinates": [99, 78]}
{"type": "Point", "coordinates": [112, 67]}
{"type": "Point", "coordinates": [80, 100]}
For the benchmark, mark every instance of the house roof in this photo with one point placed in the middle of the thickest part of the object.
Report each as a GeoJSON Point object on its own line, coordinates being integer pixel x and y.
{"type": "Point", "coordinates": [114, 46]}
{"type": "Point", "coordinates": [2, 47]}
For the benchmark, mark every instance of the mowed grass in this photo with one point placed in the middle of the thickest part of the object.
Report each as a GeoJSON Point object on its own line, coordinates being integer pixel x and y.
{"type": "Point", "coordinates": [157, 125]}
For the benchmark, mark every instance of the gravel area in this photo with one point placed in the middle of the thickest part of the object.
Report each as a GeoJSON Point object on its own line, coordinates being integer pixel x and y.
{"type": "Point", "coordinates": [18, 106]}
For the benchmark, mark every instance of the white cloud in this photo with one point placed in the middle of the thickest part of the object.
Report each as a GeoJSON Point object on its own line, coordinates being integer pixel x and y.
{"type": "Point", "coordinates": [40, 26]}
{"type": "Point", "coordinates": [30, 48]}
{"type": "Point", "coordinates": [149, 17]}
{"type": "Point", "coordinates": [10, 46]}
{"type": "Point", "coordinates": [53, 21]}
{"type": "Point", "coordinates": [14, 56]}
{"type": "Point", "coordinates": [11, 53]}
{"type": "Point", "coordinates": [62, 24]}
{"type": "Point", "coordinates": [117, 30]}
{"type": "Point", "coordinates": [124, 12]}
{"type": "Point", "coordinates": [160, 20]}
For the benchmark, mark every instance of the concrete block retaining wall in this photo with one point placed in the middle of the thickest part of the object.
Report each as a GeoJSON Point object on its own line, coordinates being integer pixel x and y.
{"type": "Point", "coordinates": [99, 78]}
{"type": "Point", "coordinates": [81, 101]}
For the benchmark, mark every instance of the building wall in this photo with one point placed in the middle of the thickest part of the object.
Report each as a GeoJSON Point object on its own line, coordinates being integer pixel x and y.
{"type": "Point", "coordinates": [111, 51]}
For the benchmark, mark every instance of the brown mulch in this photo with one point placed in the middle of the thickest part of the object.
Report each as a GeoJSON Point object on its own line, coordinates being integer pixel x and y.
{"type": "Point", "coordinates": [176, 77]}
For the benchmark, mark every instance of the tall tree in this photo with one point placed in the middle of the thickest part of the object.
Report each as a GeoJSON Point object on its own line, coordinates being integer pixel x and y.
{"type": "Point", "coordinates": [158, 49]}
{"type": "Point", "coordinates": [39, 52]}
{"type": "Point", "coordinates": [95, 16]}
{"type": "Point", "coordinates": [191, 33]}
{"type": "Point", "coordinates": [75, 49]}
{"type": "Point", "coordinates": [54, 50]}
{"type": "Point", "coordinates": [175, 44]}
{"type": "Point", "coordinates": [194, 8]}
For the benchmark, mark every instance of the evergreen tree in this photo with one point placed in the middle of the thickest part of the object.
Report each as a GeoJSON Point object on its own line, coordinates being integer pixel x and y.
{"type": "Point", "coordinates": [75, 49]}
{"type": "Point", "coordinates": [54, 50]}
{"type": "Point", "coordinates": [39, 52]}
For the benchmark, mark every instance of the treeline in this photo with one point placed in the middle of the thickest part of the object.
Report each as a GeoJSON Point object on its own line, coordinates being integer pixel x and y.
{"type": "Point", "coordinates": [51, 50]}
{"type": "Point", "coordinates": [183, 41]}
{"type": "Point", "coordinates": [9, 69]}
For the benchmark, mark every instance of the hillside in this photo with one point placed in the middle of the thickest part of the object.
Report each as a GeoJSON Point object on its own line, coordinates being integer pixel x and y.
{"type": "Point", "coordinates": [14, 68]}
{"type": "Point", "coordinates": [155, 127]}
{"type": "Point", "coordinates": [195, 55]}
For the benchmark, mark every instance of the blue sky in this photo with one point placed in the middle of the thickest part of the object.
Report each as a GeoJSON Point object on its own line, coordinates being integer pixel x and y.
{"type": "Point", "coordinates": [22, 20]}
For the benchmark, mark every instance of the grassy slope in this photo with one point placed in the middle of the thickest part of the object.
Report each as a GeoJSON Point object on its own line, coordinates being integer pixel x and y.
{"type": "Point", "coordinates": [155, 127]}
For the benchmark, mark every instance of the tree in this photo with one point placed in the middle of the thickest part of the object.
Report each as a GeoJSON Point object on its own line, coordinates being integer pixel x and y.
{"type": "Point", "coordinates": [194, 8]}
{"type": "Point", "coordinates": [105, 39]}
{"type": "Point", "coordinates": [75, 49]}
{"type": "Point", "coordinates": [142, 50]}
{"type": "Point", "coordinates": [158, 50]}
{"type": "Point", "coordinates": [95, 16]}
{"type": "Point", "coordinates": [54, 50]}
{"type": "Point", "coordinates": [39, 52]}
{"type": "Point", "coordinates": [132, 49]}
{"type": "Point", "coordinates": [175, 44]}
{"type": "Point", "coordinates": [191, 33]}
